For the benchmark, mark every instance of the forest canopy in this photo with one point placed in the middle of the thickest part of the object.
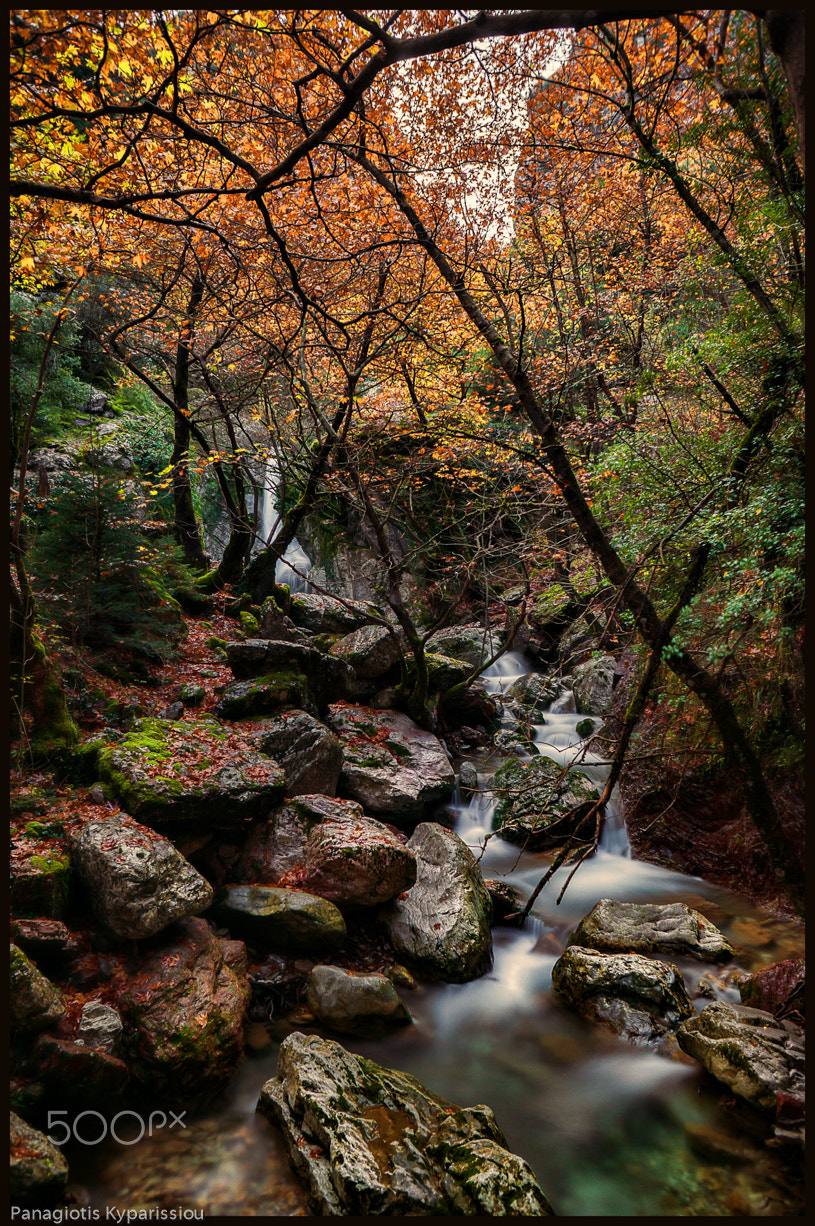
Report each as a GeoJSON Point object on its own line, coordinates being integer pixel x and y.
{"type": "Point", "coordinates": [524, 288]}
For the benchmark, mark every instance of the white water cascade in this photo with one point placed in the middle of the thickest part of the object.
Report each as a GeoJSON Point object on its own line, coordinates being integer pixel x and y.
{"type": "Point", "coordinates": [295, 563]}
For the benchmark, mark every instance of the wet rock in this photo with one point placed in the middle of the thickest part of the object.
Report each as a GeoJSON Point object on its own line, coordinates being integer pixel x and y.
{"type": "Point", "coordinates": [287, 920]}
{"type": "Point", "coordinates": [468, 777]}
{"type": "Point", "coordinates": [357, 862]}
{"type": "Point", "coordinates": [506, 900]}
{"type": "Point", "coordinates": [651, 928]}
{"type": "Point", "coordinates": [183, 1010]}
{"type": "Point", "coordinates": [328, 678]}
{"type": "Point", "coordinates": [224, 783]}
{"type": "Point", "coordinates": [100, 1027]}
{"type": "Point", "coordinates": [442, 925]}
{"type": "Point", "coordinates": [307, 752]}
{"type": "Point", "coordinates": [772, 987]}
{"type": "Point", "coordinates": [324, 614]}
{"type": "Point", "coordinates": [277, 846]}
{"type": "Point", "coordinates": [640, 999]}
{"type": "Point", "coordinates": [372, 651]}
{"type": "Point", "coordinates": [138, 883]}
{"type": "Point", "coordinates": [540, 802]}
{"type": "Point", "coordinates": [442, 671]}
{"type": "Point", "coordinates": [72, 1072]}
{"type": "Point", "coordinates": [391, 766]}
{"type": "Point", "coordinates": [354, 1004]}
{"type": "Point", "coordinates": [472, 644]}
{"type": "Point", "coordinates": [371, 1141]}
{"type": "Point", "coordinates": [593, 682]}
{"type": "Point", "coordinates": [758, 1057]}
{"type": "Point", "coordinates": [35, 1004]}
{"type": "Point", "coordinates": [534, 692]}
{"type": "Point", "coordinates": [38, 1171]}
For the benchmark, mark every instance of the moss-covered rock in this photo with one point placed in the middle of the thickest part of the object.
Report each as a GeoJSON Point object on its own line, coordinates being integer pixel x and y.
{"type": "Point", "coordinates": [370, 1141]}
{"type": "Point", "coordinates": [265, 695]}
{"type": "Point", "coordinates": [285, 921]}
{"type": "Point", "coordinates": [166, 772]}
{"type": "Point", "coordinates": [540, 802]}
{"type": "Point", "coordinates": [354, 1004]}
{"type": "Point", "coordinates": [39, 883]}
{"type": "Point", "coordinates": [35, 1004]}
{"type": "Point", "coordinates": [38, 1172]}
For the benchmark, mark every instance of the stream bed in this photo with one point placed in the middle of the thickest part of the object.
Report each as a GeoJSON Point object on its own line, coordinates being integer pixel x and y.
{"type": "Point", "coordinates": [610, 1130]}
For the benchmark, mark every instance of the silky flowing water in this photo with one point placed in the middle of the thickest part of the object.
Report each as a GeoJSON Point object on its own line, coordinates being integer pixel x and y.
{"type": "Point", "coordinates": [610, 1130]}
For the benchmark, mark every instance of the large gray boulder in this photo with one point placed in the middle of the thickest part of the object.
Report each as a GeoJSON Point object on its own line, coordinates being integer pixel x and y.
{"type": "Point", "coordinates": [168, 771]}
{"type": "Point", "coordinates": [758, 1057]}
{"type": "Point", "coordinates": [372, 651]}
{"type": "Point", "coordinates": [534, 692]}
{"type": "Point", "coordinates": [369, 1141]}
{"type": "Point", "coordinates": [593, 683]}
{"type": "Point", "coordinates": [276, 847]}
{"type": "Point", "coordinates": [137, 882]}
{"type": "Point", "coordinates": [443, 925]}
{"type": "Point", "coordinates": [540, 803]}
{"type": "Point", "coordinates": [326, 615]}
{"type": "Point", "coordinates": [391, 765]}
{"type": "Point", "coordinates": [640, 999]}
{"type": "Point", "coordinates": [265, 695]}
{"type": "Point", "coordinates": [354, 1004]}
{"type": "Point", "coordinates": [100, 1027]}
{"type": "Point", "coordinates": [38, 1171]}
{"type": "Point", "coordinates": [672, 929]}
{"type": "Point", "coordinates": [357, 862]}
{"type": "Point", "coordinates": [307, 752]}
{"type": "Point", "coordinates": [328, 678]}
{"type": "Point", "coordinates": [472, 644]}
{"type": "Point", "coordinates": [35, 1004]}
{"type": "Point", "coordinates": [183, 1012]}
{"type": "Point", "coordinates": [282, 921]}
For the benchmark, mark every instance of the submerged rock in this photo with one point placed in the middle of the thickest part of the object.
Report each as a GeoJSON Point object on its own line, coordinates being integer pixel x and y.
{"type": "Point", "coordinates": [638, 998]}
{"type": "Point", "coordinates": [289, 921]}
{"type": "Point", "coordinates": [183, 1010]}
{"type": "Point", "coordinates": [165, 772]}
{"type": "Point", "coordinates": [354, 1004]}
{"type": "Point", "coordinates": [371, 1141]}
{"type": "Point", "coordinates": [39, 1171]}
{"type": "Point", "coordinates": [138, 883]}
{"type": "Point", "coordinates": [540, 802]}
{"type": "Point", "coordinates": [392, 766]}
{"type": "Point", "coordinates": [442, 925]}
{"type": "Point", "coordinates": [651, 928]}
{"type": "Point", "coordinates": [758, 1057]}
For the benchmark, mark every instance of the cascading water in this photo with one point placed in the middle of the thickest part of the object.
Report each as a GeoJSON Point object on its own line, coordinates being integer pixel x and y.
{"type": "Point", "coordinates": [295, 563]}
{"type": "Point", "coordinates": [608, 1129]}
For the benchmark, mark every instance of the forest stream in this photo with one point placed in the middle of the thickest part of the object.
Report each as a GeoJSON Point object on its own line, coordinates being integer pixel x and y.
{"type": "Point", "coordinates": [609, 1129]}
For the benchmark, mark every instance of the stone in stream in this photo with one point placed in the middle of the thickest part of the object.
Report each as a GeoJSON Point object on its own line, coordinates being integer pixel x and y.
{"type": "Point", "coordinates": [371, 1141]}
{"type": "Point", "coordinates": [540, 803]}
{"type": "Point", "coordinates": [137, 882]}
{"type": "Point", "coordinates": [472, 644]}
{"type": "Point", "coordinates": [353, 1003]}
{"type": "Point", "coordinates": [35, 1004]}
{"type": "Point", "coordinates": [280, 920]}
{"type": "Point", "coordinates": [309, 754]}
{"type": "Point", "coordinates": [778, 988]}
{"type": "Point", "coordinates": [164, 772]}
{"type": "Point", "coordinates": [671, 928]}
{"type": "Point", "coordinates": [38, 1171]}
{"type": "Point", "coordinates": [392, 766]}
{"type": "Point", "coordinates": [593, 683]}
{"type": "Point", "coordinates": [442, 925]}
{"type": "Point", "coordinates": [758, 1057]}
{"type": "Point", "coordinates": [183, 1009]}
{"type": "Point", "coordinates": [640, 999]}
{"type": "Point", "coordinates": [535, 693]}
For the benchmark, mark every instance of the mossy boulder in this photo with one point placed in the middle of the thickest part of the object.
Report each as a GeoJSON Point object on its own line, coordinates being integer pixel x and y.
{"type": "Point", "coordinates": [370, 1141]}
{"type": "Point", "coordinates": [328, 678]}
{"type": "Point", "coordinates": [540, 803]}
{"type": "Point", "coordinates": [183, 1010]}
{"type": "Point", "coordinates": [470, 644]}
{"type": "Point", "coordinates": [325, 614]}
{"type": "Point", "coordinates": [39, 883]}
{"type": "Point", "coordinates": [38, 1170]}
{"type": "Point", "coordinates": [354, 1004]}
{"type": "Point", "coordinates": [35, 1004]}
{"type": "Point", "coordinates": [372, 651]}
{"type": "Point", "coordinates": [167, 771]}
{"type": "Point", "coordinates": [265, 695]}
{"type": "Point", "coordinates": [279, 920]}
{"type": "Point", "coordinates": [534, 692]}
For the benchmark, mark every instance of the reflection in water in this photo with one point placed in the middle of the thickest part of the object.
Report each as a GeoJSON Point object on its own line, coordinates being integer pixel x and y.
{"type": "Point", "coordinates": [609, 1130]}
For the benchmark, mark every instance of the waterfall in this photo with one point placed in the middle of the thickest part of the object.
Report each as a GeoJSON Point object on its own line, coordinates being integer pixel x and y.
{"type": "Point", "coordinates": [295, 558]}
